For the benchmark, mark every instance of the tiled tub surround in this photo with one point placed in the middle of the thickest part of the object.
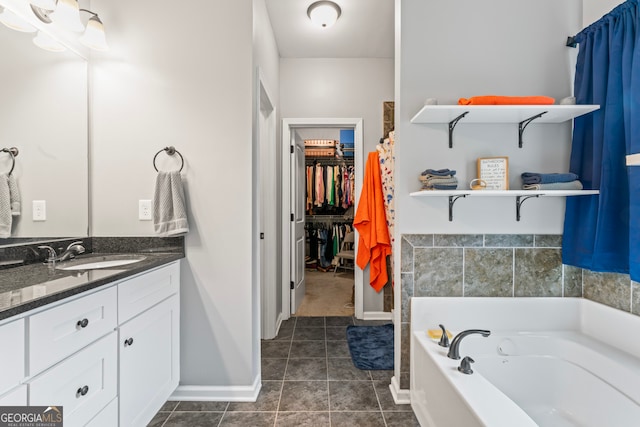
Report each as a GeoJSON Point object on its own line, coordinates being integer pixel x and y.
{"type": "Point", "coordinates": [31, 285]}
{"type": "Point", "coordinates": [498, 265]}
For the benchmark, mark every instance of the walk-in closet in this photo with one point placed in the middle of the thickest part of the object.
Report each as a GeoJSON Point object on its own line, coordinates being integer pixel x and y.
{"type": "Point", "coordinates": [329, 211]}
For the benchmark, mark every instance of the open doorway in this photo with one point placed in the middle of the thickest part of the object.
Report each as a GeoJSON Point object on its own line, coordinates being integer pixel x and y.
{"type": "Point", "coordinates": [294, 232]}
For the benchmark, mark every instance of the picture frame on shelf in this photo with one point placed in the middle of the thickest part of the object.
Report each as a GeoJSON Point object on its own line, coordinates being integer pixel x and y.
{"type": "Point", "coordinates": [494, 171]}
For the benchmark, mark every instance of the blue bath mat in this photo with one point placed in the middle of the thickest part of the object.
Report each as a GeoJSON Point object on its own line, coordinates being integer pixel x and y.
{"type": "Point", "coordinates": [371, 347]}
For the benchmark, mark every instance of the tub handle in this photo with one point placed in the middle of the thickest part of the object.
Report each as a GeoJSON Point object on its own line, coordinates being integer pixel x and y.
{"type": "Point", "coordinates": [465, 365]}
{"type": "Point", "coordinates": [444, 339]}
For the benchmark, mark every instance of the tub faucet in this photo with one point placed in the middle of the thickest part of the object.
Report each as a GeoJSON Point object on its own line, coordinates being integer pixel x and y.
{"type": "Point", "coordinates": [444, 339]}
{"type": "Point", "coordinates": [454, 352]}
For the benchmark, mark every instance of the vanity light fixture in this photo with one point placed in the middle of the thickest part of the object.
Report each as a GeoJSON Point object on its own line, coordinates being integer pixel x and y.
{"type": "Point", "coordinates": [324, 13]}
{"type": "Point", "coordinates": [67, 14]}
{"type": "Point", "coordinates": [46, 42]}
{"type": "Point", "coordinates": [94, 36]}
{"type": "Point", "coordinates": [44, 4]}
{"type": "Point", "coordinates": [14, 22]}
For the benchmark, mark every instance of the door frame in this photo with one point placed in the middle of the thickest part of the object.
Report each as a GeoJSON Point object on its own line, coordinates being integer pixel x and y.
{"type": "Point", "coordinates": [288, 127]}
{"type": "Point", "coordinates": [267, 280]}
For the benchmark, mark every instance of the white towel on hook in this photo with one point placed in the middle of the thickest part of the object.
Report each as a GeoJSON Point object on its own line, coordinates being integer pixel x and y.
{"type": "Point", "coordinates": [9, 203]}
{"type": "Point", "coordinates": [169, 207]}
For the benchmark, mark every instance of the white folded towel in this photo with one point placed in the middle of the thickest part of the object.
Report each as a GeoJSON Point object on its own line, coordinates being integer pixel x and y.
{"type": "Point", "coordinates": [9, 203]}
{"type": "Point", "coordinates": [169, 207]}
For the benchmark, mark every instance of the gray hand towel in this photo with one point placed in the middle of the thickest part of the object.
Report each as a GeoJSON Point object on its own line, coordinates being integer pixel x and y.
{"type": "Point", "coordinates": [169, 207]}
{"type": "Point", "coordinates": [5, 206]}
{"type": "Point", "coordinates": [14, 196]}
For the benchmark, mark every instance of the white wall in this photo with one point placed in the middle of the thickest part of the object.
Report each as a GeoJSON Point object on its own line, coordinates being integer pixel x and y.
{"type": "Point", "coordinates": [312, 88]}
{"type": "Point", "coordinates": [595, 9]}
{"type": "Point", "coordinates": [183, 76]}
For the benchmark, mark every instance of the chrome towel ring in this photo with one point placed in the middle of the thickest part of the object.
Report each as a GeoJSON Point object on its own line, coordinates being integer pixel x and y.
{"type": "Point", "coordinates": [13, 152]}
{"type": "Point", "coordinates": [170, 151]}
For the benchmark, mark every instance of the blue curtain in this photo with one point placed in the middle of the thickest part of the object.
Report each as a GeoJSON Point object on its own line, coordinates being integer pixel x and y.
{"type": "Point", "coordinates": [602, 233]}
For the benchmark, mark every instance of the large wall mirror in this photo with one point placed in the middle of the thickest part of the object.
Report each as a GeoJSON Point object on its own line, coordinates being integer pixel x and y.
{"type": "Point", "coordinates": [44, 114]}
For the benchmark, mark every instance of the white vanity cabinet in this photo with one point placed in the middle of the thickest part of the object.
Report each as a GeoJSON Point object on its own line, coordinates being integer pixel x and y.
{"type": "Point", "coordinates": [11, 355]}
{"type": "Point", "coordinates": [16, 397]}
{"type": "Point", "coordinates": [109, 358]}
{"type": "Point", "coordinates": [149, 345]}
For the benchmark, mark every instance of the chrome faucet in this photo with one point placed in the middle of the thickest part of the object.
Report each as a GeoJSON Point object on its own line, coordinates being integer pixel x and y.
{"type": "Point", "coordinates": [51, 254]}
{"type": "Point", "coordinates": [454, 349]}
{"type": "Point", "coordinates": [72, 250]}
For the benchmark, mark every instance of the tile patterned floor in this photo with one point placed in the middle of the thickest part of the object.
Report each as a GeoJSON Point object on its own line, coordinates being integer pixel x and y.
{"type": "Point", "coordinates": [308, 379]}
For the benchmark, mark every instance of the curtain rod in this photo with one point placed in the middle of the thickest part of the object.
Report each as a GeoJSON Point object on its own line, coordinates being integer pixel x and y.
{"type": "Point", "coordinates": [571, 41]}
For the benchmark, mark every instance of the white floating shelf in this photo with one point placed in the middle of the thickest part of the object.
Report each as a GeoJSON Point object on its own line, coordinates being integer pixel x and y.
{"type": "Point", "coordinates": [520, 195]}
{"type": "Point", "coordinates": [501, 113]}
{"type": "Point", "coordinates": [502, 193]}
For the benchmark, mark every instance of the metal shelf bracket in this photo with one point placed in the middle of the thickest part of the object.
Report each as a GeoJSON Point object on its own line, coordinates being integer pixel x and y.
{"type": "Point", "coordinates": [452, 201]}
{"type": "Point", "coordinates": [520, 200]}
{"type": "Point", "coordinates": [523, 124]}
{"type": "Point", "coordinates": [452, 126]}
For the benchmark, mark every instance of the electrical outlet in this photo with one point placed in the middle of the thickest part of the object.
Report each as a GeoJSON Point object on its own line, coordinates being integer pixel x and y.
{"type": "Point", "coordinates": [144, 210]}
{"type": "Point", "coordinates": [39, 210]}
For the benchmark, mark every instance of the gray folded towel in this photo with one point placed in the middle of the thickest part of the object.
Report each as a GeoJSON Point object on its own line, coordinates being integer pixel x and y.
{"type": "Point", "coordinates": [169, 207]}
{"type": "Point", "coordinates": [9, 203]}
{"type": "Point", "coordinates": [573, 185]}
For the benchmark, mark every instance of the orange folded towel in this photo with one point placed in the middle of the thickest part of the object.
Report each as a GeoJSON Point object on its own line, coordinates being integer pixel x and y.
{"type": "Point", "coordinates": [506, 100]}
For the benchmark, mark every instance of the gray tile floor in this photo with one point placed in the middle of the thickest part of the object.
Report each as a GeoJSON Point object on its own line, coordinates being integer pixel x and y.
{"type": "Point", "coordinates": [308, 379]}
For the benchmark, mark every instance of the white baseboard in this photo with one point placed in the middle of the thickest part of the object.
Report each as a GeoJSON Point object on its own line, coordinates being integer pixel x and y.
{"type": "Point", "coordinates": [376, 315]}
{"type": "Point", "coordinates": [400, 397]}
{"type": "Point", "coordinates": [218, 393]}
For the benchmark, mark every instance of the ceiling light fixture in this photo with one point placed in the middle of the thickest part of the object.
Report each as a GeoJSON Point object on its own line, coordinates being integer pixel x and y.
{"type": "Point", "coordinates": [44, 4]}
{"type": "Point", "coordinates": [324, 13]}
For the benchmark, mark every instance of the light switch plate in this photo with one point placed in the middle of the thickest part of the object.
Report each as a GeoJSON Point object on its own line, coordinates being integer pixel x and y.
{"type": "Point", "coordinates": [39, 210]}
{"type": "Point", "coordinates": [144, 210]}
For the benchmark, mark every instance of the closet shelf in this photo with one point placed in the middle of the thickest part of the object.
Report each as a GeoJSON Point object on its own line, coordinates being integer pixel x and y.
{"type": "Point", "coordinates": [520, 195]}
{"type": "Point", "coordinates": [521, 114]}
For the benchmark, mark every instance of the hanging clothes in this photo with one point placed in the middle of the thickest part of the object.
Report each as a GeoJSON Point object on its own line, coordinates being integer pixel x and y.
{"type": "Point", "coordinates": [387, 160]}
{"type": "Point", "coordinates": [370, 221]}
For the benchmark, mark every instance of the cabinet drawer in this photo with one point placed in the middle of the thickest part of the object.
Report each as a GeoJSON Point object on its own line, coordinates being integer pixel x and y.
{"type": "Point", "coordinates": [83, 384]}
{"type": "Point", "coordinates": [17, 397]}
{"type": "Point", "coordinates": [61, 331]}
{"type": "Point", "coordinates": [108, 417]}
{"type": "Point", "coordinates": [11, 354]}
{"type": "Point", "coordinates": [143, 292]}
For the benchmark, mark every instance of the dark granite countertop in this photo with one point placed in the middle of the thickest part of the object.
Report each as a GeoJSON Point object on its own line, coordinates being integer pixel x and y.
{"type": "Point", "coordinates": [29, 286]}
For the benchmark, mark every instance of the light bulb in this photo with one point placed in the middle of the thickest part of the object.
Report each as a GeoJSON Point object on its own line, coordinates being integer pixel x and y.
{"type": "Point", "coordinates": [94, 36]}
{"type": "Point", "coordinates": [67, 14]}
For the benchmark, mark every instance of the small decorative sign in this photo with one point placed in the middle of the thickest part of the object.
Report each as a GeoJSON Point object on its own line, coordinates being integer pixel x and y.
{"type": "Point", "coordinates": [494, 171]}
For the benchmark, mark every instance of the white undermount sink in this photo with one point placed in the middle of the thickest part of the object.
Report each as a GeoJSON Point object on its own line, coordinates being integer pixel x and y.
{"type": "Point", "coordinates": [102, 261]}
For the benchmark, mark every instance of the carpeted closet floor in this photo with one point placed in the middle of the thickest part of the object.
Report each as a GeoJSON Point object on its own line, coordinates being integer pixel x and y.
{"type": "Point", "coordinates": [327, 295]}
